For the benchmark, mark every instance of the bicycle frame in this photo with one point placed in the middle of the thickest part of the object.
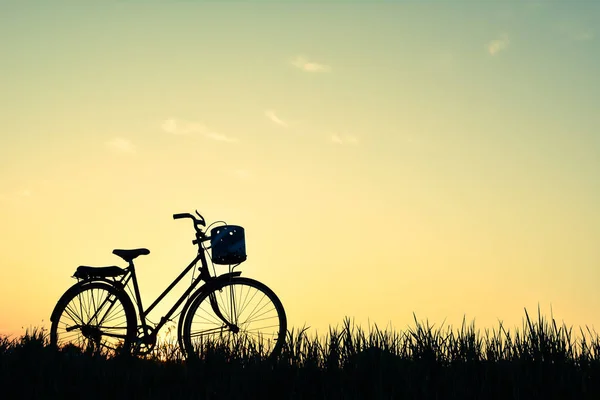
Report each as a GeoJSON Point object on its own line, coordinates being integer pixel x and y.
{"type": "Point", "coordinates": [204, 276]}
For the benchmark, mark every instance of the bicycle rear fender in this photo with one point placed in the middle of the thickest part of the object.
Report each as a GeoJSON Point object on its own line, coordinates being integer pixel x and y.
{"type": "Point", "coordinates": [78, 286]}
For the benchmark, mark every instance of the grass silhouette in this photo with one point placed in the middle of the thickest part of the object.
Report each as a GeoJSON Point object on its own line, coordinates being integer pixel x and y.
{"type": "Point", "coordinates": [541, 360]}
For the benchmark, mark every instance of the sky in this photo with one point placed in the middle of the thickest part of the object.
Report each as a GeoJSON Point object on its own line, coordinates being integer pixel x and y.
{"type": "Point", "coordinates": [385, 158]}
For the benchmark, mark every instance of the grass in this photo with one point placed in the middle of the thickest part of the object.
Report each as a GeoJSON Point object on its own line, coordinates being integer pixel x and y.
{"type": "Point", "coordinates": [541, 360]}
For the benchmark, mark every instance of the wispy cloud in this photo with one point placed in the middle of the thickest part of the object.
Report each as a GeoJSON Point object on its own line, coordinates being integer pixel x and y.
{"type": "Point", "coordinates": [121, 145]}
{"type": "Point", "coordinates": [497, 45]}
{"type": "Point", "coordinates": [219, 137]}
{"type": "Point", "coordinates": [336, 139]}
{"type": "Point", "coordinates": [348, 139]}
{"type": "Point", "coordinates": [273, 117]}
{"type": "Point", "coordinates": [170, 126]}
{"type": "Point", "coordinates": [179, 127]}
{"type": "Point", "coordinates": [309, 66]}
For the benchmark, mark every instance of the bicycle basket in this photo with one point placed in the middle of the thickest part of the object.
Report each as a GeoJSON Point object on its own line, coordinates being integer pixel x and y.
{"type": "Point", "coordinates": [228, 244]}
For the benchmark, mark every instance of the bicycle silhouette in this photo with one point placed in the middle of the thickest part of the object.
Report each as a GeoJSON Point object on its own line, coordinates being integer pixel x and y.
{"type": "Point", "coordinates": [98, 316]}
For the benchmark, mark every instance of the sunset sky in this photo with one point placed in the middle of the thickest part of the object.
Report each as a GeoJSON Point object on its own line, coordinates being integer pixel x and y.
{"type": "Point", "coordinates": [385, 158]}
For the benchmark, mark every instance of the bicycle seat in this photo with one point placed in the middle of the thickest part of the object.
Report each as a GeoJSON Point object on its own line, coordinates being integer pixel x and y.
{"type": "Point", "coordinates": [84, 271]}
{"type": "Point", "coordinates": [129, 255]}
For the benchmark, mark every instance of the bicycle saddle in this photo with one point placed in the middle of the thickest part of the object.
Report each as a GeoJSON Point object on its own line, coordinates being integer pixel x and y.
{"type": "Point", "coordinates": [129, 255]}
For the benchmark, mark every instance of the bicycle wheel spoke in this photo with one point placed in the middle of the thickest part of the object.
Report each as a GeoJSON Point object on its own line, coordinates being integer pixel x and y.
{"type": "Point", "coordinates": [101, 306]}
{"type": "Point", "coordinates": [259, 316]}
{"type": "Point", "coordinates": [74, 316]}
{"type": "Point", "coordinates": [256, 310]}
{"type": "Point", "coordinates": [207, 332]}
{"type": "Point", "coordinates": [263, 319]}
{"type": "Point", "coordinates": [262, 327]}
{"type": "Point", "coordinates": [210, 317]}
{"type": "Point", "coordinates": [249, 301]}
{"type": "Point", "coordinates": [95, 310]}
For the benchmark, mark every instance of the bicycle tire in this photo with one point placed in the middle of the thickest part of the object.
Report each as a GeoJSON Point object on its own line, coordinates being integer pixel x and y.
{"type": "Point", "coordinates": [270, 349]}
{"type": "Point", "coordinates": [88, 337]}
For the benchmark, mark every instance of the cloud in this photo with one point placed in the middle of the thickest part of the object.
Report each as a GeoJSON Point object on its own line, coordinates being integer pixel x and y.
{"type": "Point", "coordinates": [497, 45]}
{"type": "Point", "coordinates": [170, 126]}
{"type": "Point", "coordinates": [348, 139]}
{"type": "Point", "coordinates": [219, 137]}
{"type": "Point", "coordinates": [121, 145]}
{"type": "Point", "coordinates": [309, 66]}
{"type": "Point", "coordinates": [273, 117]}
{"type": "Point", "coordinates": [336, 139]}
{"type": "Point", "coordinates": [177, 127]}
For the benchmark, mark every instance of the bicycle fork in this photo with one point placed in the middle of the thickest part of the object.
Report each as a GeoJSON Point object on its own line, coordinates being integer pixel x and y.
{"type": "Point", "coordinates": [213, 303]}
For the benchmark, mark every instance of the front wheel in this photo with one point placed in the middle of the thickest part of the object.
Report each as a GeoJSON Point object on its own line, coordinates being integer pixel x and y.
{"type": "Point", "coordinates": [240, 316]}
{"type": "Point", "coordinates": [94, 318]}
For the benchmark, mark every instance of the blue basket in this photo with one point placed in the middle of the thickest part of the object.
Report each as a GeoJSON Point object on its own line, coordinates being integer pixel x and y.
{"type": "Point", "coordinates": [228, 245]}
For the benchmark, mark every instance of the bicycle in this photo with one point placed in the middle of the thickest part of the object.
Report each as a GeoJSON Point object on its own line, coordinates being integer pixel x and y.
{"type": "Point", "coordinates": [98, 316]}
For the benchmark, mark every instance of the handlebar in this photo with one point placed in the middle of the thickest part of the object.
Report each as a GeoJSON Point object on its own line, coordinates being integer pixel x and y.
{"type": "Point", "coordinates": [197, 221]}
{"type": "Point", "coordinates": [200, 236]}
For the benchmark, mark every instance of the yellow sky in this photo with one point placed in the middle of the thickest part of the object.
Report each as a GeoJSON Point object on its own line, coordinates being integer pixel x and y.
{"type": "Point", "coordinates": [384, 159]}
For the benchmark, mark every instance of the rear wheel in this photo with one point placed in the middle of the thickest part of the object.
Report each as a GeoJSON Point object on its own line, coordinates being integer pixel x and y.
{"type": "Point", "coordinates": [94, 318]}
{"type": "Point", "coordinates": [240, 316]}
